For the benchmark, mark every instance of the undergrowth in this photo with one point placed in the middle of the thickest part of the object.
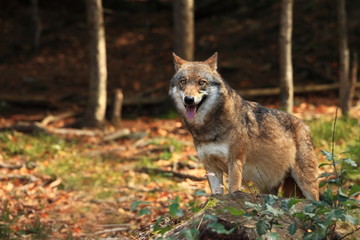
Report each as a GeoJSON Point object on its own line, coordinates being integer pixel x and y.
{"type": "Point", "coordinates": [347, 135]}
{"type": "Point", "coordinates": [316, 220]}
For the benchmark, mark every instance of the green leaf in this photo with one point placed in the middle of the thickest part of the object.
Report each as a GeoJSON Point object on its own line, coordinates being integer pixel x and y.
{"type": "Point", "coordinates": [156, 224]}
{"type": "Point", "coordinates": [350, 162]}
{"type": "Point", "coordinates": [341, 196]}
{"type": "Point", "coordinates": [286, 204]}
{"type": "Point", "coordinates": [210, 217]}
{"type": "Point", "coordinates": [327, 155]}
{"type": "Point", "coordinates": [190, 234]}
{"type": "Point", "coordinates": [312, 236]}
{"type": "Point", "coordinates": [323, 184]}
{"type": "Point", "coordinates": [354, 191]}
{"type": "Point", "coordinates": [299, 215]}
{"type": "Point", "coordinates": [333, 216]}
{"type": "Point", "coordinates": [350, 219]}
{"type": "Point", "coordinates": [351, 204]}
{"type": "Point", "coordinates": [200, 193]}
{"type": "Point", "coordinates": [235, 211]}
{"type": "Point", "coordinates": [273, 211]}
{"type": "Point", "coordinates": [292, 228]}
{"type": "Point", "coordinates": [271, 199]}
{"type": "Point", "coordinates": [328, 196]}
{"type": "Point", "coordinates": [174, 210]}
{"type": "Point", "coordinates": [135, 204]}
{"type": "Point", "coordinates": [219, 228]}
{"type": "Point", "coordinates": [163, 230]}
{"type": "Point", "coordinates": [144, 211]}
{"type": "Point", "coordinates": [336, 181]}
{"type": "Point", "coordinates": [252, 205]}
{"type": "Point", "coordinates": [326, 175]}
{"type": "Point", "coordinates": [193, 207]}
{"type": "Point", "coordinates": [309, 208]}
{"type": "Point", "coordinates": [262, 226]}
{"type": "Point", "coordinates": [272, 236]}
{"type": "Point", "coordinates": [324, 164]}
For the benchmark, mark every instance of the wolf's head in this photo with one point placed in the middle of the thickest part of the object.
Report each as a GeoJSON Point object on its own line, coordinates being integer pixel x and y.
{"type": "Point", "coordinates": [195, 87]}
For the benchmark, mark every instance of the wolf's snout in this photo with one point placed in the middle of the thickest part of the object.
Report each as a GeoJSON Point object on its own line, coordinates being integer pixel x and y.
{"type": "Point", "coordinates": [189, 100]}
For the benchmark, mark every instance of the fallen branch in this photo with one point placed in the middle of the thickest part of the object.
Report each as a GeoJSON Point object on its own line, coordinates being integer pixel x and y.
{"type": "Point", "coordinates": [350, 233]}
{"type": "Point", "coordinates": [170, 173]}
{"type": "Point", "coordinates": [257, 92]}
{"type": "Point", "coordinates": [76, 132]}
{"type": "Point", "coordinates": [7, 177]}
{"type": "Point", "coordinates": [53, 118]}
{"type": "Point", "coordinates": [118, 134]}
{"type": "Point", "coordinates": [181, 165]}
{"type": "Point", "coordinates": [111, 230]}
{"type": "Point", "coordinates": [144, 100]}
{"type": "Point", "coordinates": [297, 89]}
{"type": "Point", "coordinates": [27, 127]}
{"type": "Point", "coordinates": [11, 166]}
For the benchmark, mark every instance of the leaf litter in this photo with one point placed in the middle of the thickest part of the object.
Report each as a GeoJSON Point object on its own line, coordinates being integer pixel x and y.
{"type": "Point", "coordinates": [85, 188]}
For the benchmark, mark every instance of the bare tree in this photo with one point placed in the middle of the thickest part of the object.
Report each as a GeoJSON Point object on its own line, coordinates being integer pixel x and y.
{"type": "Point", "coordinates": [95, 112]}
{"type": "Point", "coordinates": [344, 60]}
{"type": "Point", "coordinates": [36, 24]}
{"type": "Point", "coordinates": [184, 28]}
{"type": "Point", "coordinates": [353, 77]}
{"type": "Point", "coordinates": [116, 107]}
{"type": "Point", "coordinates": [285, 44]}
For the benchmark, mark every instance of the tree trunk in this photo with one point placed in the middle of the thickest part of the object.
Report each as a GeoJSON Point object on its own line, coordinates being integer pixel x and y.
{"type": "Point", "coordinates": [117, 107]}
{"type": "Point", "coordinates": [286, 71]}
{"type": "Point", "coordinates": [343, 59]}
{"type": "Point", "coordinates": [353, 78]}
{"type": "Point", "coordinates": [184, 28]}
{"type": "Point", "coordinates": [96, 106]}
{"type": "Point", "coordinates": [36, 24]}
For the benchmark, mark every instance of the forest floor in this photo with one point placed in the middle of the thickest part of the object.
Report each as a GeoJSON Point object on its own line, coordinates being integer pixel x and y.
{"type": "Point", "coordinates": [71, 187]}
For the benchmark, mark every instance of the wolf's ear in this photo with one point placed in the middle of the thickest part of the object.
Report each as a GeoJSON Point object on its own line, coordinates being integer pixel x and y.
{"type": "Point", "coordinates": [212, 61]}
{"type": "Point", "coordinates": [178, 61]}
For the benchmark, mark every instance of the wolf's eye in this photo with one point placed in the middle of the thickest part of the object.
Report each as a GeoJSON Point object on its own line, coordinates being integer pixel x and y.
{"type": "Point", "coordinates": [201, 82]}
{"type": "Point", "coordinates": [183, 82]}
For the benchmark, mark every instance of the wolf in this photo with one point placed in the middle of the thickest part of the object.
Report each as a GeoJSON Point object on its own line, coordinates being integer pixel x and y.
{"type": "Point", "coordinates": [244, 140]}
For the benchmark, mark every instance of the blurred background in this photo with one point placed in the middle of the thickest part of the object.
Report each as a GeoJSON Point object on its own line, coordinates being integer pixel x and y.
{"type": "Point", "coordinates": [45, 52]}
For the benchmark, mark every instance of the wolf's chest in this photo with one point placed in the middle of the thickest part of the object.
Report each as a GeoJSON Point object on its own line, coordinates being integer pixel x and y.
{"type": "Point", "coordinates": [213, 154]}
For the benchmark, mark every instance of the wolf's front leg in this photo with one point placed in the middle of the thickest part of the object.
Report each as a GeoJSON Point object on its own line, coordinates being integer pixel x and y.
{"type": "Point", "coordinates": [215, 179]}
{"type": "Point", "coordinates": [235, 175]}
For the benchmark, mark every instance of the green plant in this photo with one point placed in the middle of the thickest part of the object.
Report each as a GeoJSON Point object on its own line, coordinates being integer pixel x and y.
{"type": "Point", "coordinates": [143, 211]}
{"type": "Point", "coordinates": [6, 220]}
{"type": "Point", "coordinates": [338, 202]}
{"type": "Point", "coordinates": [347, 132]}
{"type": "Point", "coordinates": [31, 147]}
{"type": "Point", "coordinates": [37, 230]}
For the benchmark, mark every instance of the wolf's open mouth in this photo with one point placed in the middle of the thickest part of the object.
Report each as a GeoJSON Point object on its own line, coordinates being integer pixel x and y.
{"type": "Point", "coordinates": [191, 109]}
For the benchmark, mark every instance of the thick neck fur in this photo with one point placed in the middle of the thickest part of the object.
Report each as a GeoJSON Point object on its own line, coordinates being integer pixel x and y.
{"type": "Point", "coordinates": [218, 121]}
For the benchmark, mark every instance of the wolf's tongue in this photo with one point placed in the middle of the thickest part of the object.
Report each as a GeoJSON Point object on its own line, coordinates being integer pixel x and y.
{"type": "Point", "coordinates": [190, 112]}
